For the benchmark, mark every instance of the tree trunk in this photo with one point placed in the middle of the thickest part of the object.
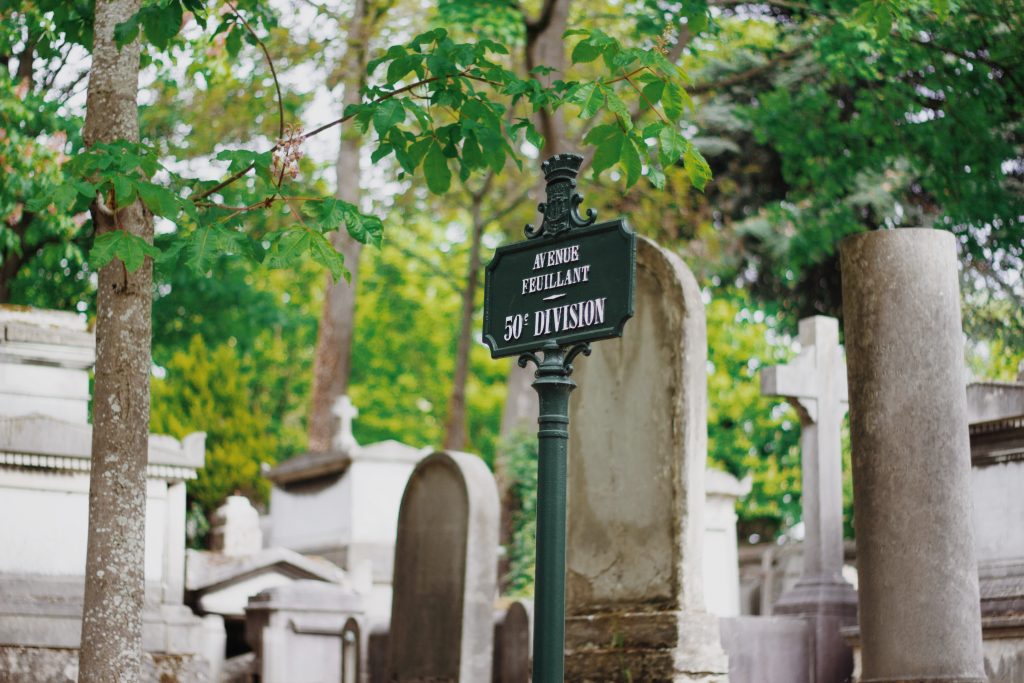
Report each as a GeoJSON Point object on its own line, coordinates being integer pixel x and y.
{"type": "Point", "coordinates": [333, 363]}
{"type": "Point", "coordinates": [455, 432]}
{"type": "Point", "coordinates": [111, 647]}
{"type": "Point", "coordinates": [544, 47]}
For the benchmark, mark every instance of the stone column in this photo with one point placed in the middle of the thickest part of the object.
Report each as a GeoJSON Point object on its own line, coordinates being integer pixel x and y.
{"type": "Point", "coordinates": [920, 617]}
{"type": "Point", "coordinates": [815, 384]}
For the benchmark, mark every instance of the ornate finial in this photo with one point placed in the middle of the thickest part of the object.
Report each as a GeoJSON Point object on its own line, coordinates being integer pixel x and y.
{"type": "Point", "coordinates": [561, 210]}
{"type": "Point", "coordinates": [344, 440]}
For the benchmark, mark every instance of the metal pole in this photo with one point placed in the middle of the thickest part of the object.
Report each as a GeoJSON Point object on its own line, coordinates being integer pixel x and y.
{"type": "Point", "coordinates": [553, 386]}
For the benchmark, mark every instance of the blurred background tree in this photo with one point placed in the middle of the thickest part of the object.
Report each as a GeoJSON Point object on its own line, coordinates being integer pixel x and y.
{"type": "Point", "coordinates": [819, 119]}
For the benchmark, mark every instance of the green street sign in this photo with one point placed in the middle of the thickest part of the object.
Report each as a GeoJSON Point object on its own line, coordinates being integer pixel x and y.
{"type": "Point", "coordinates": [571, 282]}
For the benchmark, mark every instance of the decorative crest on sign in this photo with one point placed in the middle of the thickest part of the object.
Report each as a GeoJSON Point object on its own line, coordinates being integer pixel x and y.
{"type": "Point", "coordinates": [561, 210]}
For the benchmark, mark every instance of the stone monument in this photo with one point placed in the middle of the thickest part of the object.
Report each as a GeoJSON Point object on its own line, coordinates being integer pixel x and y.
{"type": "Point", "coordinates": [996, 411]}
{"type": "Point", "coordinates": [45, 451]}
{"type": "Point", "coordinates": [815, 384]}
{"type": "Point", "coordinates": [342, 505]}
{"type": "Point", "coordinates": [445, 573]}
{"type": "Point", "coordinates": [637, 455]}
{"type": "Point", "coordinates": [307, 632]}
{"type": "Point", "coordinates": [919, 610]}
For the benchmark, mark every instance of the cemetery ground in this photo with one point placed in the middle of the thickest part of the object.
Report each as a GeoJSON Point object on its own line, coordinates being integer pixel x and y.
{"type": "Point", "coordinates": [288, 392]}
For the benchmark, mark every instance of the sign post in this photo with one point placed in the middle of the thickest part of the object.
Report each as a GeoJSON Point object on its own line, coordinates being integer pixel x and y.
{"type": "Point", "coordinates": [569, 283]}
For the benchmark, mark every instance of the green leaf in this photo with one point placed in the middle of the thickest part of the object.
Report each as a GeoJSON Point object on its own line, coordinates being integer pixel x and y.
{"type": "Point", "coordinates": [673, 145]}
{"type": "Point", "coordinates": [161, 23]}
{"type": "Point", "coordinates": [289, 245]}
{"type": "Point", "coordinates": [364, 228]}
{"type": "Point", "coordinates": [388, 114]}
{"type": "Point", "coordinates": [656, 176]}
{"type": "Point", "coordinates": [435, 169]}
{"type": "Point", "coordinates": [124, 190]}
{"type": "Point", "coordinates": [160, 200]}
{"type": "Point", "coordinates": [329, 213]}
{"type": "Point", "coordinates": [325, 254]}
{"type": "Point", "coordinates": [631, 162]}
{"type": "Point", "coordinates": [608, 139]}
{"type": "Point", "coordinates": [400, 67]}
{"type": "Point", "coordinates": [584, 52]}
{"type": "Point", "coordinates": [652, 92]}
{"type": "Point", "coordinates": [85, 189]}
{"type": "Point", "coordinates": [126, 32]}
{"type": "Point", "coordinates": [64, 196]}
{"type": "Point", "coordinates": [696, 167]}
{"type": "Point", "coordinates": [131, 249]}
{"type": "Point", "coordinates": [103, 249]}
{"type": "Point", "coordinates": [201, 249]}
{"type": "Point", "coordinates": [672, 99]}
{"type": "Point", "coordinates": [591, 98]}
{"type": "Point", "coordinates": [618, 107]}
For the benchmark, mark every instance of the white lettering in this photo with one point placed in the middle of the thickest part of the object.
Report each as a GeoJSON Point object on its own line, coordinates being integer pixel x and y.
{"type": "Point", "coordinates": [556, 257]}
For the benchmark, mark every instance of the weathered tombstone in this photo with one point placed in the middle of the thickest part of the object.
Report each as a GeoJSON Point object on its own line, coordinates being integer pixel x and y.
{"type": "Point", "coordinates": [513, 641]}
{"type": "Point", "coordinates": [236, 527]}
{"type": "Point", "coordinates": [815, 384]}
{"type": "Point", "coordinates": [445, 577]}
{"type": "Point", "coordinates": [637, 454]}
{"type": "Point", "coordinates": [918, 581]}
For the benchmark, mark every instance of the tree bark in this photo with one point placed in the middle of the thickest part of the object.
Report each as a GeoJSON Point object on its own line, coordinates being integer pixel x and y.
{"type": "Point", "coordinates": [111, 648]}
{"type": "Point", "coordinates": [455, 432]}
{"type": "Point", "coordinates": [333, 363]}
{"type": "Point", "coordinates": [544, 47]}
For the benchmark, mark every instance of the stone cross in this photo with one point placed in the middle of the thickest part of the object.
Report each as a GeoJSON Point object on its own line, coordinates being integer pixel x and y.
{"type": "Point", "coordinates": [344, 440]}
{"type": "Point", "coordinates": [815, 383]}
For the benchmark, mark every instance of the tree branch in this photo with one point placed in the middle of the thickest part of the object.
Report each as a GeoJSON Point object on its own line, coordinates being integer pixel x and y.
{"type": "Point", "coordinates": [270, 63]}
{"type": "Point", "coordinates": [748, 74]}
{"type": "Point", "coordinates": [538, 25]}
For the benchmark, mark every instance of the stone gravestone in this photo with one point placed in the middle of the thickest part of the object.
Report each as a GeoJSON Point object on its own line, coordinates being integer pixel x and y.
{"type": "Point", "coordinates": [815, 384]}
{"type": "Point", "coordinates": [513, 642]}
{"type": "Point", "coordinates": [445, 578]}
{"type": "Point", "coordinates": [637, 454]}
{"type": "Point", "coordinates": [920, 617]}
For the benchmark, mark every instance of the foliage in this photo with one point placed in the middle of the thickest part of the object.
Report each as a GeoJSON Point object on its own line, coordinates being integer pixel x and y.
{"type": "Point", "coordinates": [747, 432]}
{"type": "Point", "coordinates": [463, 124]}
{"type": "Point", "coordinates": [404, 348]}
{"type": "Point", "coordinates": [208, 390]}
{"type": "Point", "coordinates": [519, 456]}
{"type": "Point", "coordinates": [826, 119]}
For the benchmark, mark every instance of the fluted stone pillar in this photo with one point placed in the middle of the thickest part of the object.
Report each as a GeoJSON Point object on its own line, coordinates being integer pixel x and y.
{"type": "Point", "coordinates": [920, 618]}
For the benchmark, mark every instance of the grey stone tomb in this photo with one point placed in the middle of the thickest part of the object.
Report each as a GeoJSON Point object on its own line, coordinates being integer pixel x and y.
{"type": "Point", "coordinates": [815, 384]}
{"type": "Point", "coordinates": [307, 632]}
{"type": "Point", "coordinates": [445, 579]}
{"type": "Point", "coordinates": [920, 618]}
{"type": "Point", "coordinates": [637, 455]}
